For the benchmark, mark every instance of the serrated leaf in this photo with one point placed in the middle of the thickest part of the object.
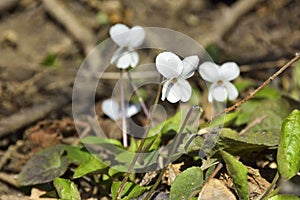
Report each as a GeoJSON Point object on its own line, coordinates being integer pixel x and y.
{"type": "Point", "coordinates": [130, 191]}
{"type": "Point", "coordinates": [187, 184]}
{"type": "Point", "coordinates": [288, 155]}
{"type": "Point", "coordinates": [66, 189]}
{"type": "Point", "coordinates": [284, 197]}
{"type": "Point", "coordinates": [92, 165]}
{"type": "Point", "coordinates": [44, 166]}
{"type": "Point", "coordinates": [238, 173]}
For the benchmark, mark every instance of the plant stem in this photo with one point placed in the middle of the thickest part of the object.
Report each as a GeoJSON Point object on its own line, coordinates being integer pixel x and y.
{"type": "Point", "coordinates": [137, 92]}
{"type": "Point", "coordinates": [253, 93]}
{"type": "Point", "coordinates": [124, 122]}
{"type": "Point", "coordinates": [178, 136]}
{"type": "Point", "coordinates": [140, 148]}
{"type": "Point", "coordinates": [271, 187]}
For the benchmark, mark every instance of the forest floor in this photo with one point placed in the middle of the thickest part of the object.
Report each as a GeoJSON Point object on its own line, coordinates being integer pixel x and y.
{"type": "Point", "coordinates": [43, 43]}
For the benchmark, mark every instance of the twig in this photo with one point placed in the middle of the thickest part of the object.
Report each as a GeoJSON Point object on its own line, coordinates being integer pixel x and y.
{"type": "Point", "coordinates": [216, 170]}
{"type": "Point", "coordinates": [81, 33]}
{"type": "Point", "coordinates": [252, 124]}
{"type": "Point", "coordinates": [7, 4]}
{"type": "Point", "coordinates": [270, 188]}
{"type": "Point", "coordinates": [30, 115]}
{"type": "Point", "coordinates": [11, 150]}
{"type": "Point", "coordinates": [252, 94]}
{"type": "Point", "coordinates": [134, 75]}
{"type": "Point", "coordinates": [223, 24]}
{"type": "Point", "coordinates": [8, 179]}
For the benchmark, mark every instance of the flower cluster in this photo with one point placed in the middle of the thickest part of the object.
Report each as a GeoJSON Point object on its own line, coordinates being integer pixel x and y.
{"type": "Point", "coordinates": [176, 71]}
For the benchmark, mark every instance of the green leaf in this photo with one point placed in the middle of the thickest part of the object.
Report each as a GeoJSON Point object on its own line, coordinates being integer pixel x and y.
{"type": "Point", "coordinates": [130, 191]}
{"type": "Point", "coordinates": [266, 115]}
{"type": "Point", "coordinates": [187, 184]}
{"type": "Point", "coordinates": [100, 140]}
{"type": "Point", "coordinates": [173, 123]}
{"type": "Point", "coordinates": [77, 155]}
{"type": "Point", "coordinates": [92, 165]}
{"type": "Point", "coordinates": [268, 92]}
{"type": "Point", "coordinates": [66, 189]}
{"type": "Point", "coordinates": [242, 84]}
{"type": "Point", "coordinates": [224, 120]}
{"type": "Point", "coordinates": [44, 166]}
{"type": "Point", "coordinates": [49, 60]}
{"type": "Point", "coordinates": [284, 197]}
{"type": "Point", "coordinates": [246, 110]}
{"type": "Point", "coordinates": [238, 173]}
{"type": "Point", "coordinates": [234, 143]}
{"type": "Point", "coordinates": [288, 155]}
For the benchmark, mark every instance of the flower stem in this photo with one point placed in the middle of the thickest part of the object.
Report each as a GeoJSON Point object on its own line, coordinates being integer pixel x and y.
{"type": "Point", "coordinates": [253, 93]}
{"type": "Point", "coordinates": [124, 122]}
{"type": "Point", "coordinates": [178, 136]}
{"type": "Point", "coordinates": [140, 148]}
{"type": "Point", "coordinates": [138, 94]}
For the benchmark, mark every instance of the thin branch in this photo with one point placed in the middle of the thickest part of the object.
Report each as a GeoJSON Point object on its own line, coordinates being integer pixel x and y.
{"type": "Point", "coordinates": [252, 94]}
{"type": "Point", "coordinates": [29, 115]}
{"type": "Point", "coordinates": [80, 32]}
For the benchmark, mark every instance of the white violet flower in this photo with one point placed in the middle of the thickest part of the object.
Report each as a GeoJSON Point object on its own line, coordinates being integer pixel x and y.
{"type": "Point", "coordinates": [113, 110]}
{"type": "Point", "coordinates": [176, 71]}
{"type": "Point", "coordinates": [127, 40]}
{"type": "Point", "coordinates": [220, 77]}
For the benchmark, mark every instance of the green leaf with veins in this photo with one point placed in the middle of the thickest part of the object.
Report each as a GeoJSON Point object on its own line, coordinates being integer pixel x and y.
{"type": "Point", "coordinates": [92, 165]}
{"type": "Point", "coordinates": [187, 184]}
{"type": "Point", "coordinates": [44, 166]}
{"type": "Point", "coordinates": [288, 155]}
{"type": "Point", "coordinates": [238, 173]}
{"type": "Point", "coordinates": [66, 189]}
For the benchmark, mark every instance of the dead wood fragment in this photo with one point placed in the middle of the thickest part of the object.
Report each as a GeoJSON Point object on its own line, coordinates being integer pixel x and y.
{"type": "Point", "coordinates": [80, 33]}
{"type": "Point", "coordinates": [8, 179]}
{"type": "Point", "coordinates": [223, 24]}
{"type": "Point", "coordinates": [30, 115]}
{"type": "Point", "coordinates": [7, 5]}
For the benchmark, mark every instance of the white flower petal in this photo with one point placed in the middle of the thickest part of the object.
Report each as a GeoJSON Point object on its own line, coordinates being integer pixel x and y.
{"type": "Point", "coordinates": [219, 93]}
{"type": "Point", "coordinates": [185, 89]}
{"type": "Point", "coordinates": [111, 109]}
{"type": "Point", "coordinates": [210, 71]}
{"type": "Point", "coordinates": [166, 89]}
{"type": "Point", "coordinates": [229, 71]}
{"type": "Point", "coordinates": [124, 59]}
{"type": "Point", "coordinates": [136, 37]}
{"type": "Point", "coordinates": [189, 65]}
{"type": "Point", "coordinates": [232, 91]}
{"type": "Point", "coordinates": [167, 63]}
{"type": "Point", "coordinates": [119, 34]}
{"type": "Point", "coordinates": [181, 90]}
{"type": "Point", "coordinates": [132, 110]}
